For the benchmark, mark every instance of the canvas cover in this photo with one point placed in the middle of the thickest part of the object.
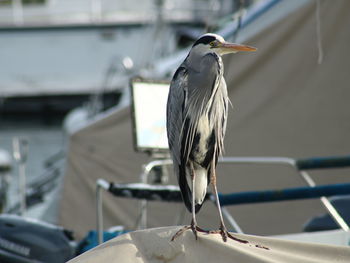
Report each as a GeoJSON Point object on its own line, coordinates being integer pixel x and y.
{"type": "Point", "coordinates": [284, 104]}
{"type": "Point", "coordinates": [154, 245]}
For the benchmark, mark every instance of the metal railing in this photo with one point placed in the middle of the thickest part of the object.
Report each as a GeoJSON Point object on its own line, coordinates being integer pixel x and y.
{"type": "Point", "coordinates": [300, 165]}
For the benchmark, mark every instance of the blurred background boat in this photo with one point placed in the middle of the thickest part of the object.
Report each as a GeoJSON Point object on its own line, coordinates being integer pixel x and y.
{"type": "Point", "coordinates": [56, 53]}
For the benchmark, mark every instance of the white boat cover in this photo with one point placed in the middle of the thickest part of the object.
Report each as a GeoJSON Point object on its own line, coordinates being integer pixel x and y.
{"type": "Point", "coordinates": [284, 104]}
{"type": "Point", "coordinates": [154, 246]}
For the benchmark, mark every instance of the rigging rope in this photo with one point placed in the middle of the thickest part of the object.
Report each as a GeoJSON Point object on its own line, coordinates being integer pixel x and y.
{"type": "Point", "coordinates": [318, 32]}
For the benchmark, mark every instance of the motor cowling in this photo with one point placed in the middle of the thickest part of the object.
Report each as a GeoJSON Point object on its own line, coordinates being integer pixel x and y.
{"type": "Point", "coordinates": [27, 240]}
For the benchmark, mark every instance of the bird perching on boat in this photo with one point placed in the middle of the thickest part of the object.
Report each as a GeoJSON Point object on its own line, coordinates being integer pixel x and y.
{"type": "Point", "coordinates": [196, 123]}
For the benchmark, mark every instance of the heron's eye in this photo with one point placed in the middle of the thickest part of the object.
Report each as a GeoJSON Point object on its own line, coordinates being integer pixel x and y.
{"type": "Point", "coordinates": [212, 44]}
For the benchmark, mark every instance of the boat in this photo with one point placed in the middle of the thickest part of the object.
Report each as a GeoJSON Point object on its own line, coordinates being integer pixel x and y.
{"type": "Point", "coordinates": [274, 114]}
{"type": "Point", "coordinates": [57, 55]}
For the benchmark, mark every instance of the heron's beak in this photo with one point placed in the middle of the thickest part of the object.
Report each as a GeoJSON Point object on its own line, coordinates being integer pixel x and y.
{"type": "Point", "coordinates": [233, 48]}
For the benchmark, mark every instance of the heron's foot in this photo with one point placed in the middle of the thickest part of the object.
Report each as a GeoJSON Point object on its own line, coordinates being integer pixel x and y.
{"type": "Point", "coordinates": [194, 229]}
{"type": "Point", "coordinates": [225, 234]}
{"type": "Point", "coordinates": [222, 231]}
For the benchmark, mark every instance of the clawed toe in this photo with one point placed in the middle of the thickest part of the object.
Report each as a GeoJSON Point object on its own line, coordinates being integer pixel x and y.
{"type": "Point", "coordinates": [179, 233]}
{"type": "Point", "coordinates": [195, 229]}
{"type": "Point", "coordinates": [237, 239]}
{"type": "Point", "coordinates": [225, 234]}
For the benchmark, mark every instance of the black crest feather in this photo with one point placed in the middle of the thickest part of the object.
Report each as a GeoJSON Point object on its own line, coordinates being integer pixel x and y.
{"type": "Point", "coordinates": [204, 40]}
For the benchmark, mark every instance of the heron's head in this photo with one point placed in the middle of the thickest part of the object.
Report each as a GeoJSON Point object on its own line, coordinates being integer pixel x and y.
{"type": "Point", "coordinates": [212, 43]}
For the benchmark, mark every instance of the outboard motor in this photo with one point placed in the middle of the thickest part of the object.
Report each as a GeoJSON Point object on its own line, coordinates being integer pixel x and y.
{"type": "Point", "coordinates": [24, 240]}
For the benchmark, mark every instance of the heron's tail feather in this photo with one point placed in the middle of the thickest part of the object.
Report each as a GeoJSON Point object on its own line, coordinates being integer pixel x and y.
{"type": "Point", "coordinates": [200, 188]}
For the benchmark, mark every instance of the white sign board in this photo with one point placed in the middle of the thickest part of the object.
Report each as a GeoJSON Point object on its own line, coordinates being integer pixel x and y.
{"type": "Point", "coordinates": [149, 115]}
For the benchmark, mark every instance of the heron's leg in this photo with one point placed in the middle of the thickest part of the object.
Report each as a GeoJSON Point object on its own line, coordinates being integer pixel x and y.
{"type": "Point", "coordinates": [194, 227]}
{"type": "Point", "coordinates": [194, 221]}
{"type": "Point", "coordinates": [222, 229]}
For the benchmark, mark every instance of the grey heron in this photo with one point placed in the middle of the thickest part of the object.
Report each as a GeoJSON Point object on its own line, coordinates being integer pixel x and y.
{"type": "Point", "coordinates": [196, 122]}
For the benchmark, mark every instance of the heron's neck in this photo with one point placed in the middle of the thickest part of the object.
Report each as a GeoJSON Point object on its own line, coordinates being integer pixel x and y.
{"type": "Point", "coordinates": [194, 60]}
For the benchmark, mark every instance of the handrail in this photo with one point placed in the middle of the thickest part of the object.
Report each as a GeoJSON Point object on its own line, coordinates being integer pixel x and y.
{"type": "Point", "coordinates": [300, 165]}
{"type": "Point", "coordinates": [323, 162]}
{"type": "Point", "coordinates": [171, 193]}
{"type": "Point", "coordinates": [295, 193]}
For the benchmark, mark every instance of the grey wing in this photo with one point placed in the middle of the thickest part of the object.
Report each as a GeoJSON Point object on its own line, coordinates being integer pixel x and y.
{"type": "Point", "coordinates": [175, 105]}
{"type": "Point", "coordinates": [204, 98]}
{"type": "Point", "coordinates": [177, 100]}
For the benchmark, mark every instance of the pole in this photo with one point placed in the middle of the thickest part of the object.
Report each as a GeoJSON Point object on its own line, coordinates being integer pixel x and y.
{"type": "Point", "coordinates": [20, 153]}
{"type": "Point", "coordinates": [100, 184]}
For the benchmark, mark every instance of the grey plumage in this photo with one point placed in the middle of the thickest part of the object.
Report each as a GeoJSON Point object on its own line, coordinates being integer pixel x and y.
{"type": "Point", "coordinates": [196, 119]}
{"type": "Point", "coordinates": [197, 94]}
